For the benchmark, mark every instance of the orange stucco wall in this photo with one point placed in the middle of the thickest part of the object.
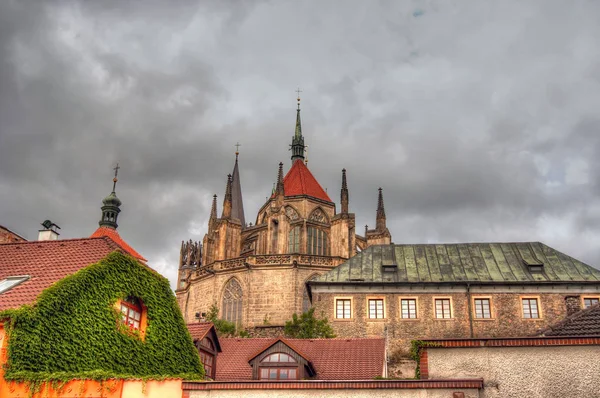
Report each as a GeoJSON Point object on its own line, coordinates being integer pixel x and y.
{"type": "Point", "coordinates": [87, 388]}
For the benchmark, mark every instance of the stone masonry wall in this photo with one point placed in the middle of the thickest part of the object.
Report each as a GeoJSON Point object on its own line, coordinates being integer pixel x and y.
{"type": "Point", "coordinates": [506, 319]}
{"type": "Point", "coordinates": [271, 294]}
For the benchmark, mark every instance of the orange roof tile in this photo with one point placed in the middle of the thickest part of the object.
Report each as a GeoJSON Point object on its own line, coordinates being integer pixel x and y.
{"type": "Point", "coordinates": [300, 181]}
{"type": "Point", "coordinates": [199, 329]}
{"type": "Point", "coordinates": [46, 262]}
{"type": "Point", "coordinates": [114, 235]}
{"type": "Point", "coordinates": [333, 359]}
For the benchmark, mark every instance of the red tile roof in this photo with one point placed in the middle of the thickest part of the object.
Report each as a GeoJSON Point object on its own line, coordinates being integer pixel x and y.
{"type": "Point", "coordinates": [333, 359]}
{"type": "Point", "coordinates": [199, 330]}
{"type": "Point", "coordinates": [114, 235]}
{"type": "Point", "coordinates": [300, 181]}
{"type": "Point", "coordinates": [46, 262]}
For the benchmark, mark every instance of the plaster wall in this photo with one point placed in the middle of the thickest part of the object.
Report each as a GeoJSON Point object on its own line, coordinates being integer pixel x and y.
{"type": "Point", "coordinates": [391, 393]}
{"type": "Point", "coordinates": [533, 372]}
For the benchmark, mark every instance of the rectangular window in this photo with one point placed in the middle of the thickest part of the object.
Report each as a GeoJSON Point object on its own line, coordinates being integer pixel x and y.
{"type": "Point", "coordinates": [442, 309]}
{"type": "Point", "coordinates": [408, 308]}
{"type": "Point", "coordinates": [343, 308]}
{"type": "Point", "coordinates": [530, 308]}
{"type": "Point", "coordinates": [376, 308]}
{"type": "Point", "coordinates": [482, 308]}
{"type": "Point", "coordinates": [589, 301]}
{"type": "Point", "coordinates": [278, 373]}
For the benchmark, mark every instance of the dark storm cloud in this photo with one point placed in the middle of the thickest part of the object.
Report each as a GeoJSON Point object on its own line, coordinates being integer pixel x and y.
{"type": "Point", "coordinates": [479, 120]}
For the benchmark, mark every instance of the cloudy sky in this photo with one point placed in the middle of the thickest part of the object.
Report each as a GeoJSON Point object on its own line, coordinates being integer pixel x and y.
{"type": "Point", "coordinates": [480, 120]}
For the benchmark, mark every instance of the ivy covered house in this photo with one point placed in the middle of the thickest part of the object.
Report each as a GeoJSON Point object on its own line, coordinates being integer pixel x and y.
{"type": "Point", "coordinates": [91, 312]}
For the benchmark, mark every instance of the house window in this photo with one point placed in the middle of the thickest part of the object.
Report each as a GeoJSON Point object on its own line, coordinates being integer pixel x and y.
{"type": "Point", "coordinates": [208, 352]}
{"type": "Point", "coordinates": [278, 366]}
{"type": "Point", "coordinates": [131, 312]}
{"type": "Point", "coordinates": [443, 309]}
{"type": "Point", "coordinates": [317, 242]}
{"type": "Point", "coordinates": [408, 308]}
{"type": "Point", "coordinates": [530, 308]}
{"type": "Point", "coordinates": [294, 240]}
{"type": "Point", "coordinates": [233, 298]}
{"type": "Point", "coordinates": [376, 308]}
{"type": "Point", "coordinates": [343, 308]}
{"type": "Point", "coordinates": [589, 301]}
{"type": "Point", "coordinates": [482, 308]}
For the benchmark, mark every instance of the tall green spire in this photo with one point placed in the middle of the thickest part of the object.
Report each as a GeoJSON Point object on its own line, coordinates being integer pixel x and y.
{"type": "Point", "coordinates": [297, 146]}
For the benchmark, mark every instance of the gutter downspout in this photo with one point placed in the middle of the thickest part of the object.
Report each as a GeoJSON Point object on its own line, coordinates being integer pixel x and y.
{"type": "Point", "coordinates": [470, 309]}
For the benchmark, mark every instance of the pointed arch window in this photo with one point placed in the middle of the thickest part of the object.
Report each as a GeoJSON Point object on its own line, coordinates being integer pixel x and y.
{"type": "Point", "coordinates": [294, 240]}
{"type": "Point", "coordinates": [233, 300]}
{"type": "Point", "coordinates": [317, 242]}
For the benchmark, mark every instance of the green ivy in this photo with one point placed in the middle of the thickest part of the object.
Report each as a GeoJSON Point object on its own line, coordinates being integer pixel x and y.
{"type": "Point", "coordinates": [415, 353]}
{"type": "Point", "coordinates": [73, 330]}
{"type": "Point", "coordinates": [307, 326]}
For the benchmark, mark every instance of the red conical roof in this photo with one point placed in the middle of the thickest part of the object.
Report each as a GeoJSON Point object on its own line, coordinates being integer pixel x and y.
{"type": "Point", "coordinates": [300, 181]}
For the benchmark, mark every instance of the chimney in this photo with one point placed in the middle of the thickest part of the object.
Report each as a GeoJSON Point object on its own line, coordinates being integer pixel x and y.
{"type": "Point", "coordinates": [49, 232]}
{"type": "Point", "coordinates": [573, 304]}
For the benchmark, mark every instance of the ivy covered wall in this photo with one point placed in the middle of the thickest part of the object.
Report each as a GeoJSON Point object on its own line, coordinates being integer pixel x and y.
{"type": "Point", "coordinates": [74, 330]}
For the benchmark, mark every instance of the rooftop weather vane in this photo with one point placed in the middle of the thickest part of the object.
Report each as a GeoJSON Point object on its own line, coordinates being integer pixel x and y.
{"type": "Point", "coordinates": [116, 169]}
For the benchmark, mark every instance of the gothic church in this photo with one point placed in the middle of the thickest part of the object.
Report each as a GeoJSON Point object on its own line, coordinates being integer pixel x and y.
{"type": "Point", "coordinates": [257, 274]}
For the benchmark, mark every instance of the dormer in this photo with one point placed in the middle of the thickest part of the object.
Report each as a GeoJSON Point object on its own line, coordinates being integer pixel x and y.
{"type": "Point", "coordinates": [280, 360]}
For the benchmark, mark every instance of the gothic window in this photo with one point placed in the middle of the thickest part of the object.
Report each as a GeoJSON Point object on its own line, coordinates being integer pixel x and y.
{"type": "Point", "coordinates": [274, 236]}
{"type": "Point", "coordinates": [318, 215]}
{"type": "Point", "coordinates": [291, 213]}
{"type": "Point", "coordinates": [305, 299]}
{"type": "Point", "coordinates": [294, 240]}
{"type": "Point", "coordinates": [232, 302]}
{"type": "Point", "coordinates": [317, 242]}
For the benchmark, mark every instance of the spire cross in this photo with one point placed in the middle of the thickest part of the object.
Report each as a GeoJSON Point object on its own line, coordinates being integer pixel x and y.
{"type": "Point", "coordinates": [116, 169]}
{"type": "Point", "coordinates": [298, 91]}
{"type": "Point", "coordinates": [237, 148]}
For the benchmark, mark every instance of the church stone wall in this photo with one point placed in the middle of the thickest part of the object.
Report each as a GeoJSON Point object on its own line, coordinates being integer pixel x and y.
{"type": "Point", "coordinates": [506, 312]}
{"type": "Point", "coordinates": [271, 294]}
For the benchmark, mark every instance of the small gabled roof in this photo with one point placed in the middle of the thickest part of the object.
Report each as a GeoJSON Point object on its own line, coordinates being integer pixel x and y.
{"type": "Point", "coordinates": [300, 181]}
{"type": "Point", "coordinates": [332, 359]}
{"type": "Point", "coordinates": [114, 235]}
{"type": "Point", "coordinates": [200, 330]}
{"type": "Point", "coordinates": [46, 262]}
{"type": "Point", "coordinates": [582, 323]}
{"type": "Point", "coordinates": [272, 343]}
{"type": "Point", "coordinates": [527, 262]}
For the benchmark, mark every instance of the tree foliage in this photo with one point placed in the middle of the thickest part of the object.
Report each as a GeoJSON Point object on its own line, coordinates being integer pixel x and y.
{"type": "Point", "coordinates": [74, 331]}
{"type": "Point", "coordinates": [307, 326]}
{"type": "Point", "coordinates": [224, 328]}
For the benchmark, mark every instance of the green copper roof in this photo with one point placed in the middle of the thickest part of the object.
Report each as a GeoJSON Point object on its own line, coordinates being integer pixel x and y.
{"type": "Point", "coordinates": [462, 262]}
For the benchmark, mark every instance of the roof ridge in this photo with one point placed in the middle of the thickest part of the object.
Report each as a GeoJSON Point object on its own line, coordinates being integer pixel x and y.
{"type": "Point", "coordinates": [45, 242]}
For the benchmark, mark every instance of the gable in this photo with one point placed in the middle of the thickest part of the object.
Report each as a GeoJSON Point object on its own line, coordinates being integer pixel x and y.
{"type": "Point", "coordinates": [74, 328]}
{"type": "Point", "coordinates": [530, 262]}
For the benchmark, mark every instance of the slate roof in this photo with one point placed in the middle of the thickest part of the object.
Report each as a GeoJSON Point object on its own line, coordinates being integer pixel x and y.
{"type": "Point", "coordinates": [333, 359]}
{"type": "Point", "coordinates": [582, 323]}
{"type": "Point", "coordinates": [463, 262]}
{"type": "Point", "coordinates": [300, 181]}
{"type": "Point", "coordinates": [114, 235]}
{"type": "Point", "coordinates": [46, 262]}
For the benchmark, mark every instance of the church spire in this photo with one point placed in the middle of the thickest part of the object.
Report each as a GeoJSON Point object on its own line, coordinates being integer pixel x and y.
{"type": "Point", "coordinates": [279, 190]}
{"type": "Point", "coordinates": [237, 204]}
{"type": "Point", "coordinates": [227, 201]}
{"type": "Point", "coordinates": [297, 146]}
{"type": "Point", "coordinates": [111, 206]}
{"type": "Point", "coordinates": [380, 226]}
{"type": "Point", "coordinates": [344, 193]}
